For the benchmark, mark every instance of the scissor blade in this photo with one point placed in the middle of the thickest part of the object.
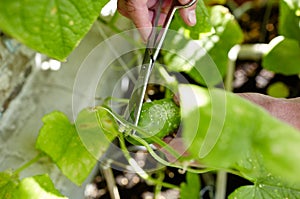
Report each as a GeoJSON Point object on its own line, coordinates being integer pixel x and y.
{"type": "Point", "coordinates": [154, 44]}
{"type": "Point", "coordinates": [133, 110]}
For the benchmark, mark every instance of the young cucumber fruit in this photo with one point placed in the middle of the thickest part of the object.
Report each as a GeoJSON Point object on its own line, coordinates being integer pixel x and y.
{"type": "Point", "coordinates": [159, 118]}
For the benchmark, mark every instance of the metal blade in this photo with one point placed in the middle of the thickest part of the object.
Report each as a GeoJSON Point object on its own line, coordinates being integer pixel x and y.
{"type": "Point", "coordinates": [132, 113]}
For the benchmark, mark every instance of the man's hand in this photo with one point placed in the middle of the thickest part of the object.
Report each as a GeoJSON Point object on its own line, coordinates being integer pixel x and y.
{"type": "Point", "coordinates": [287, 110]}
{"type": "Point", "coordinates": [141, 13]}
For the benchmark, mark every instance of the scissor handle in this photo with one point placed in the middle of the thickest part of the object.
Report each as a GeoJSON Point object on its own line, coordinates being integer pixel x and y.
{"type": "Point", "coordinates": [157, 35]}
{"type": "Point", "coordinates": [179, 5]}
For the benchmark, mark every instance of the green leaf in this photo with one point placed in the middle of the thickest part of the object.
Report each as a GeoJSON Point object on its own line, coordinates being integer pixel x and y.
{"type": "Point", "coordinates": [38, 187]}
{"type": "Point", "coordinates": [289, 19]}
{"type": "Point", "coordinates": [206, 61]}
{"type": "Point", "coordinates": [262, 191]}
{"type": "Point", "coordinates": [203, 24]}
{"type": "Point", "coordinates": [190, 189]}
{"type": "Point", "coordinates": [283, 57]}
{"type": "Point", "coordinates": [97, 129]}
{"type": "Point", "coordinates": [8, 184]}
{"type": "Point", "coordinates": [51, 27]}
{"type": "Point", "coordinates": [59, 140]}
{"type": "Point", "coordinates": [223, 130]}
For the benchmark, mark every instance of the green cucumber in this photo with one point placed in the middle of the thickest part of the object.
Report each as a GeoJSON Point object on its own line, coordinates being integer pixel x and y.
{"type": "Point", "coordinates": [158, 118]}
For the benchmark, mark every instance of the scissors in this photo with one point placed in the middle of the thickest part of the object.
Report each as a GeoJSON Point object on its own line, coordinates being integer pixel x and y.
{"type": "Point", "coordinates": [154, 44]}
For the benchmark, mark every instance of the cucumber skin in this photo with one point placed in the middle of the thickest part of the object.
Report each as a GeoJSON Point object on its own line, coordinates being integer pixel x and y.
{"type": "Point", "coordinates": [159, 118]}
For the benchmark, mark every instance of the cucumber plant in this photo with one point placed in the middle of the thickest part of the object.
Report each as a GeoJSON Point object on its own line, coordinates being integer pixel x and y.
{"type": "Point", "coordinates": [159, 118]}
{"type": "Point", "coordinates": [216, 124]}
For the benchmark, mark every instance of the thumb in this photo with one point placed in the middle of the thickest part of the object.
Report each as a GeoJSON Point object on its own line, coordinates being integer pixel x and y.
{"type": "Point", "coordinates": [188, 14]}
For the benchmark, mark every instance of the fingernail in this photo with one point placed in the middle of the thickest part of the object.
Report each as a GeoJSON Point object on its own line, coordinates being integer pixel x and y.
{"type": "Point", "coordinates": [192, 17]}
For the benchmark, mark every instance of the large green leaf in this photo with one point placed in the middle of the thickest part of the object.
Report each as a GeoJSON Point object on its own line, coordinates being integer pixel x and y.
{"type": "Point", "coordinates": [59, 139]}
{"type": "Point", "coordinates": [283, 57]}
{"type": "Point", "coordinates": [37, 187]}
{"type": "Point", "coordinates": [262, 191]}
{"type": "Point", "coordinates": [224, 131]}
{"type": "Point", "coordinates": [289, 19]}
{"type": "Point", "coordinates": [51, 27]}
{"type": "Point", "coordinates": [8, 184]}
{"type": "Point", "coordinates": [97, 129]}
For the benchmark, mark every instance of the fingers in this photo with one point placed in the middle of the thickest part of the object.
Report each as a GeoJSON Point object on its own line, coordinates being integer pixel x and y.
{"type": "Point", "coordinates": [287, 110]}
{"type": "Point", "coordinates": [188, 14]}
{"type": "Point", "coordinates": [137, 11]}
{"type": "Point", "coordinates": [178, 145]}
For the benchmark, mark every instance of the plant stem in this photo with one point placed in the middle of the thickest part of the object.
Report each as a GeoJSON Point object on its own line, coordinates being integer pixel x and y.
{"type": "Point", "coordinates": [114, 99]}
{"type": "Point", "coordinates": [139, 170]}
{"type": "Point", "coordinates": [110, 180]}
{"type": "Point", "coordinates": [128, 127]}
{"type": "Point", "coordinates": [221, 185]}
{"type": "Point", "coordinates": [157, 189]}
{"type": "Point", "coordinates": [265, 21]}
{"type": "Point", "coordinates": [232, 57]}
{"type": "Point", "coordinates": [114, 18]}
{"type": "Point", "coordinates": [28, 164]}
{"type": "Point", "coordinates": [111, 26]}
{"type": "Point", "coordinates": [166, 163]}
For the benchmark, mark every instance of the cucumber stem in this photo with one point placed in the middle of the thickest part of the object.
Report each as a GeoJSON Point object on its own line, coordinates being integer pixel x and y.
{"type": "Point", "coordinates": [157, 188]}
{"type": "Point", "coordinates": [129, 127]}
{"type": "Point", "coordinates": [28, 164]}
{"type": "Point", "coordinates": [139, 170]}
